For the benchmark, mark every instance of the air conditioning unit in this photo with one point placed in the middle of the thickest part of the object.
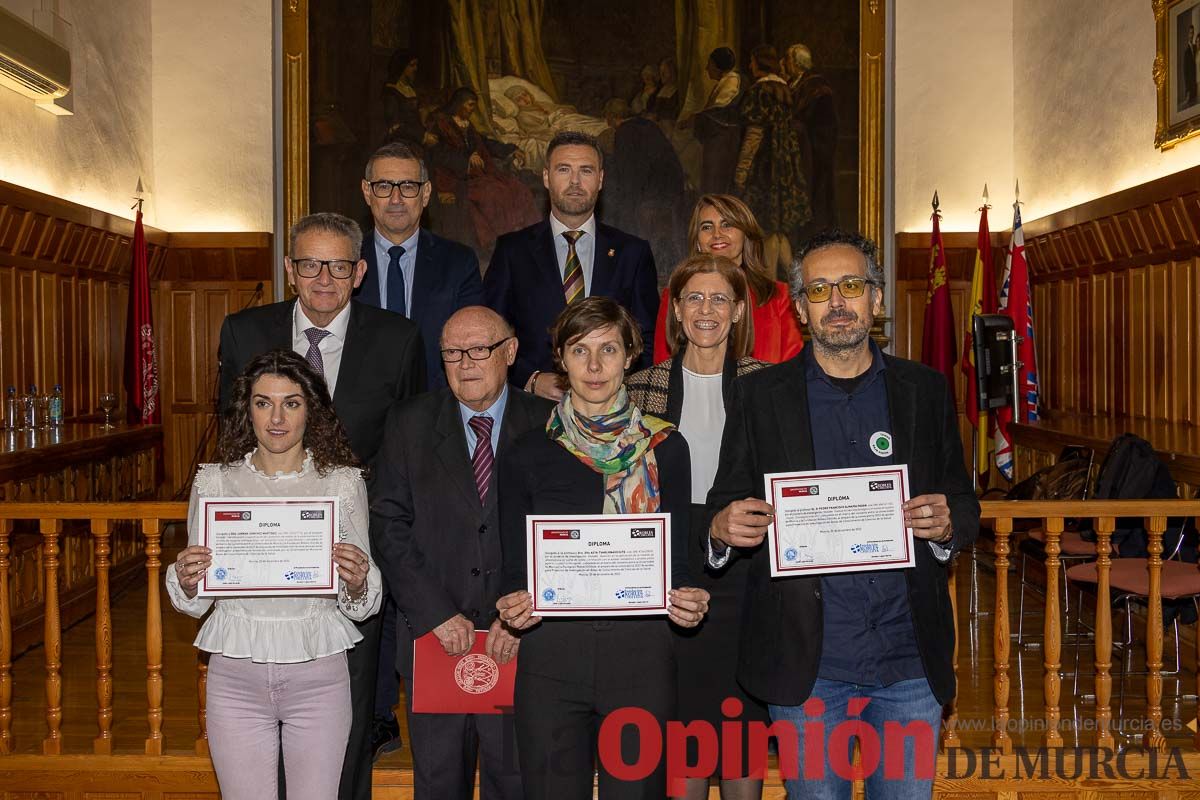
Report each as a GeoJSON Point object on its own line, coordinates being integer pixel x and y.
{"type": "Point", "coordinates": [31, 62]}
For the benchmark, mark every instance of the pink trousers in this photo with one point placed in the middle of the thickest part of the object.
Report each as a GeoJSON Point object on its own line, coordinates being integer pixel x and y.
{"type": "Point", "coordinates": [252, 706]}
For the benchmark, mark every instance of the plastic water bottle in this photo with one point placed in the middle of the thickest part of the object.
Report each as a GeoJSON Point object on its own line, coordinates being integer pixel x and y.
{"type": "Point", "coordinates": [31, 420]}
{"type": "Point", "coordinates": [56, 406]}
{"type": "Point", "coordinates": [12, 410]}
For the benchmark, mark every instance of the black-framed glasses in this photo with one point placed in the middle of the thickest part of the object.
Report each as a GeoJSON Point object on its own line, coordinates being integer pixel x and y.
{"type": "Point", "coordinates": [850, 288]}
{"type": "Point", "coordinates": [385, 188]}
{"type": "Point", "coordinates": [452, 355]}
{"type": "Point", "coordinates": [311, 267]}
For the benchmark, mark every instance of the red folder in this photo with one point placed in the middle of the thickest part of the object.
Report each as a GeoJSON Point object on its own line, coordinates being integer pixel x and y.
{"type": "Point", "coordinates": [468, 684]}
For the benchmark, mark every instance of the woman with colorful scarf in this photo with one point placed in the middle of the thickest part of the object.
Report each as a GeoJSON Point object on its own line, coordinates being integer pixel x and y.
{"type": "Point", "coordinates": [598, 454]}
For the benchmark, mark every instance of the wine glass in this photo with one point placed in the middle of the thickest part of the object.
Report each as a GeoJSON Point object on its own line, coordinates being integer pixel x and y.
{"type": "Point", "coordinates": [108, 402]}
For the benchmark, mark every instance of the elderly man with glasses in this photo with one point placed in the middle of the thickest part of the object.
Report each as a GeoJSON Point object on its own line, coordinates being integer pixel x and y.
{"type": "Point", "coordinates": [878, 644]}
{"type": "Point", "coordinates": [370, 359]}
{"type": "Point", "coordinates": [434, 525]}
{"type": "Point", "coordinates": [410, 270]}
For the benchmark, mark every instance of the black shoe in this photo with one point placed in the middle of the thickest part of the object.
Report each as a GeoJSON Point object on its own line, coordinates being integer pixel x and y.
{"type": "Point", "coordinates": [385, 737]}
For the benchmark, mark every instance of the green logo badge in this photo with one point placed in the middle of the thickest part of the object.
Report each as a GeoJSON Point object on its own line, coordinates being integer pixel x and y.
{"type": "Point", "coordinates": [881, 443]}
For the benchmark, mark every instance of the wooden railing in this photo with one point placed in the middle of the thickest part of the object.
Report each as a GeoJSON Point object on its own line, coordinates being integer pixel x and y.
{"type": "Point", "coordinates": [1000, 515]}
{"type": "Point", "coordinates": [100, 519]}
{"type": "Point", "coordinates": [100, 516]}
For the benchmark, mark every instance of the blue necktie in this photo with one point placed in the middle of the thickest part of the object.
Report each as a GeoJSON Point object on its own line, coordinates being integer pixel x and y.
{"type": "Point", "coordinates": [395, 281]}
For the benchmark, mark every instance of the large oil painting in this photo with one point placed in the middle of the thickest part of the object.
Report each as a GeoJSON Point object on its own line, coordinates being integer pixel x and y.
{"type": "Point", "coordinates": [763, 99]}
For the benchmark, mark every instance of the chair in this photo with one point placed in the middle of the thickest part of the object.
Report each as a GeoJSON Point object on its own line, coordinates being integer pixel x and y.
{"type": "Point", "coordinates": [1067, 479]}
{"type": "Point", "coordinates": [1130, 577]}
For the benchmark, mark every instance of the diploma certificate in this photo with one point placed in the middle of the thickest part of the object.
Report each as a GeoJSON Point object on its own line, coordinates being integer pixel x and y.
{"type": "Point", "coordinates": [269, 545]}
{"type": "Point", "coordinates": [839, 520]}
{"type": "Point", "coordinates": [598, 564]}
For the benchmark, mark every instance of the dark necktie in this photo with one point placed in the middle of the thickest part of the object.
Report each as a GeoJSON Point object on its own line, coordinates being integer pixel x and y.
{"type": "Point", "coordinates": [482, 458]}
{"type": "Point", "coordinates": [395, 281]}
{"type": "Point", "coordinates": [573, 272]}
{"type": "Point", "coordinates": [313, 356]}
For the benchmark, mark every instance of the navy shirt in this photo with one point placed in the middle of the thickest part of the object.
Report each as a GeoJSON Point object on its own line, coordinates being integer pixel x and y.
{"type": "Point", "coordinates": [868, 635]}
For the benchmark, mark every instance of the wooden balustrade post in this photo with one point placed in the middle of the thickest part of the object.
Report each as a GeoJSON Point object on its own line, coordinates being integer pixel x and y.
{"type": "Point", "coordinates": [950, 726]}
{"type": "Point", "coordinates": [52, 643]}
{"type": "Point", "coordinates": [202, 659]}
{"type": "Point", "coordinates": [1153, 738]}
{"type": "Point", "coordinates": [1103, 630]}
{"type": "Point", "coordinates": [6, 740]}
{"type": "Point", "coordinates": [1052, 632]}
{"type": "Point", "coordinates": [1000, 737]}
{"type": "Point", "coordinates": [102, 744]}
{"type": "Point", "coordinates": [152, 530]}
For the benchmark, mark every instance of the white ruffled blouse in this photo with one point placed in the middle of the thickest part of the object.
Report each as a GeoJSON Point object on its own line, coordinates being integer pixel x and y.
{"type": "Point", "coordinates": [281, 630]}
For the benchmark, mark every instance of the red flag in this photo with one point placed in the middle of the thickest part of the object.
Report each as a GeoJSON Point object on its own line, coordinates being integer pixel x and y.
{"type": "Point", "coordinates": [141, 367]}
{"type": "Point", "coordinates": [937, 347]}
{"type": "Point", "coordinates": [1016, 300]}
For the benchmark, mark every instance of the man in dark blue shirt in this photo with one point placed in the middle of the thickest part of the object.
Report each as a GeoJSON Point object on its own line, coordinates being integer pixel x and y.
{"type": "Point", "coordinates": [872, 645]}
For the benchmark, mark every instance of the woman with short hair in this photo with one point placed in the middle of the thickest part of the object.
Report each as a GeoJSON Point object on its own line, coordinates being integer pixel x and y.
{"type": "Point", "coordinates": [597, 454]}
{"type": "Point", "coordinates": [711, 334]}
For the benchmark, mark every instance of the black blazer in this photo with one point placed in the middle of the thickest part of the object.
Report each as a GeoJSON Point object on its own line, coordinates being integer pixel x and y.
{"type": "Point", "coordinates": [382, 362]}
{"type": "Point", "coordinates": [524, 285]}
{"type": "Point", "coordinates": [539, 476]}
{"type": "Point", "coordinates": [446, 278]}
{"type": "Point", "coordinates": [438, 547]}
{"type": "Point", "coordinates": [767, 429]}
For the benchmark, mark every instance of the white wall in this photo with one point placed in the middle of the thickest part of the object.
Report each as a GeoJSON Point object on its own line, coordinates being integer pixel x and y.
{"type": "Point", "coordinates": [954, 110]}
{"type": "Point", "coordinates": [1085, 102]}
{"type": "Point", "coordinates": [96, 156]}
{"type": "Point", "coordinates": [212, 115]}
{"type": "Point", "coordinates": [176, 93]}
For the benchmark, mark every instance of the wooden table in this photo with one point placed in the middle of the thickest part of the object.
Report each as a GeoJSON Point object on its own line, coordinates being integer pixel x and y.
{"type": "Point", "coordinates": [1177, 444]}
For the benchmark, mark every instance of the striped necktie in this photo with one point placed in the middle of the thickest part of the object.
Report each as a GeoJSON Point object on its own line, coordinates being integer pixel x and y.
{"type": "Point", "coordinates": [313, 356]}
{"type": "Point", "coordinates": [482, 458]}
{"type": "Point", "coordinates": [573, 273]}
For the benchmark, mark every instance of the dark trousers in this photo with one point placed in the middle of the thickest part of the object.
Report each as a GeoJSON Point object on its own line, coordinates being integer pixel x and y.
{"type": "Point", "coordinates": [387, 682]}
{"type": "Point", "coordinates": [568, 682]}
{"type": "Point", "coordinates": [445, 748]}
{"type": "Point", "coordinates": [362, 662]}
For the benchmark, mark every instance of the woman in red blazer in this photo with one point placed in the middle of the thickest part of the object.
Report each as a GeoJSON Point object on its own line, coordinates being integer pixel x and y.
{"type": "Point", "coordinates": [724, 226]}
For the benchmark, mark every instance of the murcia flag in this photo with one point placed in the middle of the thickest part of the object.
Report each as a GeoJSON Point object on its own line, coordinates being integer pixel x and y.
{"type": "Point", "coordinates": [937, 345]}
{"type": "Point", "coordinates": [141, 367]}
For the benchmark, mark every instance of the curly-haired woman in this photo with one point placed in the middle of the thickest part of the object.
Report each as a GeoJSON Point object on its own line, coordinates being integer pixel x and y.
{"type": "Point", "coordinates": [279, 663]}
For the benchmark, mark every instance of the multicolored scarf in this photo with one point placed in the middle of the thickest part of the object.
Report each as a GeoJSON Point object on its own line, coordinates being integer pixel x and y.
{"type": "Point", "coordinates": [620, 446]}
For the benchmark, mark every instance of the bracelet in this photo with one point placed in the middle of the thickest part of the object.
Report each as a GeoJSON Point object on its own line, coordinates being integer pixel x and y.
{"type": "Point", "coordinates": [531, 384]}
{"type": "Point", "coordinates": [353, 603]}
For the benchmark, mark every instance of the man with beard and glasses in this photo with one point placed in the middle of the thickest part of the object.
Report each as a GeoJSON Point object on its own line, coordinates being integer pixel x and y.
{"type": "Point", "coordinates": [538, 271]}
{"type": "Point", "coordinates": [876, 644]}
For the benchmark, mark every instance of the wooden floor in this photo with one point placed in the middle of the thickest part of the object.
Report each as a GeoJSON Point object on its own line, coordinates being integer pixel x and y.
{"type": "Point", "coordinates": [180, 725]}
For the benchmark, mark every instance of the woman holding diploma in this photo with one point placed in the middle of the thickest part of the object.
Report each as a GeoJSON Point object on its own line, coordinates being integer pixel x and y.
{"type": "Point", "coordinates": [597, 455]}
{"type": "Point", "coordinates": [280, 661]}
{"type": "Point", "coordinates": [711, 334]}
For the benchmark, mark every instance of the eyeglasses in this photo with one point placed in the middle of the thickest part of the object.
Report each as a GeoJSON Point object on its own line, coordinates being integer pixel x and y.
{"type": "Point", "coordinates": [850, 288]}
{"type": "Point", "coordinates": [696, 300]}
{"type": "Point", "coordinates": [311, 267]}
{"type": "Point", "coordinates": [385, 188]}
{"type": "Point", "coordinates": [453, 355]}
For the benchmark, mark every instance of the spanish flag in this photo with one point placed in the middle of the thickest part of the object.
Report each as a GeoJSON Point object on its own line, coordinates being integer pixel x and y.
{"type": "Point", "coordinates": [982, 300]}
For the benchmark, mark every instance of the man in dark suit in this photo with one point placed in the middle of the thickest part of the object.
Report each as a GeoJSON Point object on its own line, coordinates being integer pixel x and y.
{"type": "Point", "coordinates": [410, 270]}
{"type": "Point", "coordinates": [370, 359]}
{"type": "Point", "coordinates": [883, 636]}
{"type": "Point", "coordinates": [434, 520]}
{"type": "Point", "coordinates": [535, 272]}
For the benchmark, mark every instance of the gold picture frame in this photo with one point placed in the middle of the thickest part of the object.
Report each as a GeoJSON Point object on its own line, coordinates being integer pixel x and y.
{"type": "Point", "coordinates": [1177, 71]}
{"type": "Point", "coordinates": [872, 68]}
